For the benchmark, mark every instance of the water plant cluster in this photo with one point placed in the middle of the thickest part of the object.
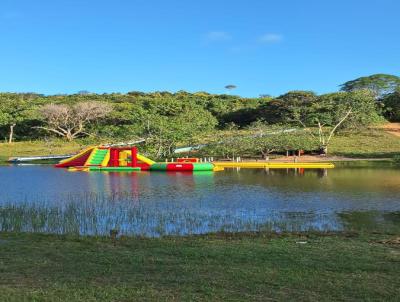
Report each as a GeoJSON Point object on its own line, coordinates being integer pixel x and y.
{"type": "Point", "coordinates": [97, 214]}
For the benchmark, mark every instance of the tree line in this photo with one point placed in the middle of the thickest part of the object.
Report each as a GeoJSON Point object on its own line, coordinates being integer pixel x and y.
{"type": "Point", "coordinates": [166, 120]}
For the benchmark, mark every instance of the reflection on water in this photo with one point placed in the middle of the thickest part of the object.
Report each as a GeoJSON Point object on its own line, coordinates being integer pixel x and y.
{"type": "Point", "coordinates": [44, 199]}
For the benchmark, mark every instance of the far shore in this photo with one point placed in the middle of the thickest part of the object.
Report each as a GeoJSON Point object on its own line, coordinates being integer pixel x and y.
{"type": "Point", "coordinates": [282, 159]}
{"type": "Point", "coordinates": [378, 144]}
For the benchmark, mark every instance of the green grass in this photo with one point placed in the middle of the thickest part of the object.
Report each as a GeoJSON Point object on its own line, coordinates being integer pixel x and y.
{"type": "Point", "coordinates": [241, 267]}
{"type": "Point", "coordinates": [33, 148]}
{"type": "Point", "coordinates": [368, 144]}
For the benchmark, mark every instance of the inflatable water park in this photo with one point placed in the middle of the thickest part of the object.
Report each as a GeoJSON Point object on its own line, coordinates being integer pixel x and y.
{"type": "Point", "coordinates": [127, 159]}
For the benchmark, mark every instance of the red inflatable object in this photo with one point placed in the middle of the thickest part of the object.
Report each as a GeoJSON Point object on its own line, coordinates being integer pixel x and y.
{"type": "Point", "coordinates": [179, 167]}
{"type": "Point", "coordinates": [188, 160]}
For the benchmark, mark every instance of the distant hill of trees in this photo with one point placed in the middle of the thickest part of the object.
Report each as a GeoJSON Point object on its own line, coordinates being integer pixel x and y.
{"type": "Point", "coordinates": [166, 120]}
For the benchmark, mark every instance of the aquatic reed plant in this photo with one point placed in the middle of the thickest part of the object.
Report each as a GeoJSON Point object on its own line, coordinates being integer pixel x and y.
{"type": "Point", "coordinates": [96, 214]}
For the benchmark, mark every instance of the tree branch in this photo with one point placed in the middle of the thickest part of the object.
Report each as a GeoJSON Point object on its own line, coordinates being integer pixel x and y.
{"type": "Point", "coordinates": [306, 128]}
{"type": "Point", "coordinates": [51, 130]}
{"type": "Point", "coordinates": [338, 124]}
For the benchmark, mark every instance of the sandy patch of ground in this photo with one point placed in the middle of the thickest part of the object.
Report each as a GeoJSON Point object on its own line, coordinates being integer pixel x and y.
{"type": "Point", "coordinates": [392, 128]}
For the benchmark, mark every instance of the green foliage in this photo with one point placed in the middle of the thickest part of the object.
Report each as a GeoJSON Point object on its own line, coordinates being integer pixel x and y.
{"type": "Point", "coordinates": [331, 108]}
{"type": "Point", "coordinates": [168, 120]}
{"type": "Point", "coordinates": [16, 109]}
{"type": "Point", "coordinates": [284, 108]}
{"type": "Point", "coordinates": [327, 109]}
{"type": "Point", "coordinates": [165, 132]}
{"type": "Point", "coordinates": [328, 112]}
{"type": "Point", "coordinates": [392, 105]}
{"type": "Point", "coordinates": [279, 139]}
{"type": "Point", "coordinates": [379, 84]}
{"type": "Point", "coordinates": [260, 140]}
{"type": "Point", "coordinates": [396, 159]}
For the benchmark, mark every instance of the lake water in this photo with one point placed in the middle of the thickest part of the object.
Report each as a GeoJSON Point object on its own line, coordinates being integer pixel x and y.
{"type": "Point", "coordinates": [45, 199]}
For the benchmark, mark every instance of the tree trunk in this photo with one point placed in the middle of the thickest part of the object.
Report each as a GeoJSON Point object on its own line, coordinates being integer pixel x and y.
{"type": "Point", "coordinates": [265, 154]}
{"type": "Point", "coordinates": [11, 136]}
{"type": "Point", "coordinates": [323, 150]}
{"type": "Point", "coordinates": [69, 136]}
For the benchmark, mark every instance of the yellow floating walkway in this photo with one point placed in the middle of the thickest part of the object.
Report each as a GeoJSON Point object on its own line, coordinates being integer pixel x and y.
{"type": "Point", "coordinates": [274, 165]}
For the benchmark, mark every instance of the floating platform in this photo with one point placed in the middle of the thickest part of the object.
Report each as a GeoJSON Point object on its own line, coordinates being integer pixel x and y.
{"type": "Point", "coordinates": [182, 167]}
{"type": "Point", "coordinates": [127, 159]}
{"type": "Point", "coordinates": [33, 158]}
{"type": "Point", "coordinates": [115, 169]}
{"type": "Point", "coordinates": [274, 165]}
{"type": "Point", "coordinates": [105, 169]}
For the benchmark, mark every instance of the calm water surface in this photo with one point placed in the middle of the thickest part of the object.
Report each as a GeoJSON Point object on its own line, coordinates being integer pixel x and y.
{"type": "Point", "coordinates": [45, 199]}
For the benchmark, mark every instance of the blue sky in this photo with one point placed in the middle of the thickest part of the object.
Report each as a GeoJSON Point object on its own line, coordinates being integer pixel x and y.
{"type": "Point", "coordinates": [262, 46]}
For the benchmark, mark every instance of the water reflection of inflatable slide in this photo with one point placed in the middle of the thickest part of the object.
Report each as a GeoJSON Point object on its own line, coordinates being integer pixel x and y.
{"type": "Point", "coordinates": [149, 187]}
{"type": "Point", "coordinates": [127, 159]}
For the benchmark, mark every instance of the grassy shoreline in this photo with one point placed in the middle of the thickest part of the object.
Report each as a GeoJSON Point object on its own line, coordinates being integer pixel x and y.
{"type": "Point", "coordinates": [36, 148]}
{"type": "Point", "coordinates": [367, 145]}
{"type": "Point", "coordinates": [218, 267]}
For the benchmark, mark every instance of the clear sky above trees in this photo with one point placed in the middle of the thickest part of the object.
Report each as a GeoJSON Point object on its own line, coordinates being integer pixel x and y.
{"type": "Point", "coordinates": [263, 47]}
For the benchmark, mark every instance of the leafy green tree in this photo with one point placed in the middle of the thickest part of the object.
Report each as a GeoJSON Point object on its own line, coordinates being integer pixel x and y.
{"type": "Point", "coordinates": [165, 132]}
{"type": "Point", "coordinates": [278, 138]}
{"type": "Point", "coordinates": [379, 84]}
{"type": "Point", "coordinates": [124, 119]}
{"type": "Point", "coordinates": [226, 146]}
{"type": "Point", "coordinates": [331, 112]}
{"type": "Point", "coordinates": [392, 105]}
{"type": "Point", "coordinates": [14, 109]}
{"type": "Point", "coordinates": [166, 119]}
{"type": "Point", "coordinates": [282, 109]}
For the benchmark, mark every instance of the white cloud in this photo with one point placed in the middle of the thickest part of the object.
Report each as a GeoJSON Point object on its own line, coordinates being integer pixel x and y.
{"type": "Point", "coordinates": [217, 36]}
{"type": "Point", "coordinates": [270, 38]}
